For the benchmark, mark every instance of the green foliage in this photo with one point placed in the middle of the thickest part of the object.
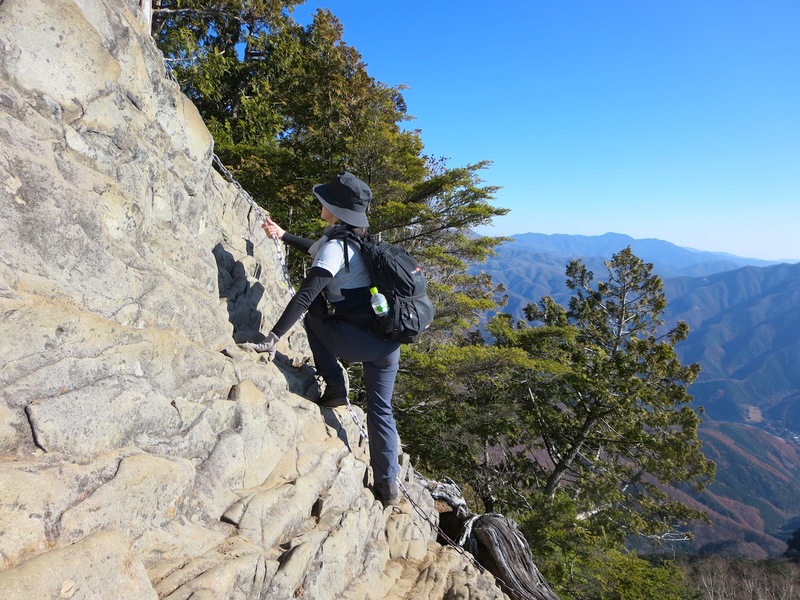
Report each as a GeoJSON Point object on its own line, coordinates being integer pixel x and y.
{"type": "Point", "coordinates": [577, 426]}
{"type": "Point", "coordinates": [451, 406]}
{"type": "Point", "coordinates": [617, 425]}
{"type": "Point", "coordinates": [614, 575]}
{"type": "Point", "coordinates": [586, 564]}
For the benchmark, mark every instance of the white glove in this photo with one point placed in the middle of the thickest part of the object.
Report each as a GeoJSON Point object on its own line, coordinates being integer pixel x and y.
{"type": "Point", "coordinates": [267, 346]}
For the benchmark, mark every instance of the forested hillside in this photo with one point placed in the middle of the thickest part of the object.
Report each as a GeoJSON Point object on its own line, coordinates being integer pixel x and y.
{"type": "Point", "coordinates": [746, 334]}
{"type": "Point", "coordinates": [532, 264]}
{"type": "Point", "coordinates": [753, 501]}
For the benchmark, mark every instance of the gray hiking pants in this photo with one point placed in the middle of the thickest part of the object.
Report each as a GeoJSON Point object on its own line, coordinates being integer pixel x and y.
{"type": "Point", "coordinates": [331, 338]}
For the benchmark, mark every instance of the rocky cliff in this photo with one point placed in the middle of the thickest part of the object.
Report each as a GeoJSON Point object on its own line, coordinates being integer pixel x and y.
{"type": "Point", "coordinates": [142, 454]}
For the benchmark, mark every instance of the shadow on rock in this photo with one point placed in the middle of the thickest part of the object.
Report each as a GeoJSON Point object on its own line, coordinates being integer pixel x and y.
{"type": "Point", "coordinates": [242, 296]}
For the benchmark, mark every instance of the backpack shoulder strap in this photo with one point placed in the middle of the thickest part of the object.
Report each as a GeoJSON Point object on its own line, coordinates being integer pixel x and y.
{"type": "Point", "coordinates": [345, 232]}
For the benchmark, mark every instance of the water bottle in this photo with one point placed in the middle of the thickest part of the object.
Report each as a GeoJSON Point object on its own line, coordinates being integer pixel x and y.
{"type": "Point", "coordinates": [378, 302]}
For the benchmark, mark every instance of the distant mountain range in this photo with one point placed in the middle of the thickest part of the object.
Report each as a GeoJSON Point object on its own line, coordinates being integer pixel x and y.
{"type": "Point", "coordinates": [744, 319]}
{"type": "Point", "coordinates": [532, 266]}
{"type": "Point", "coordinates": [668, 259]}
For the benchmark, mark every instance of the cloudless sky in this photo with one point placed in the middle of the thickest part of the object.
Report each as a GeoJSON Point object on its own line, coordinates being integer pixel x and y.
{"type": "Point", "coordinates": [669, 119]}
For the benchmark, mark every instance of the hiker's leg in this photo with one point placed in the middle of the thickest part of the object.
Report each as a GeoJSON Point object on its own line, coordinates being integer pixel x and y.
{"type": "Point", "coordinates": [379, 376]}
{"type": "Point", "coordinates": [335, 338]}
{"type": "Point", "coordinates": [325, 359]}
{"type": "Point", "coordinates": [331, 339]}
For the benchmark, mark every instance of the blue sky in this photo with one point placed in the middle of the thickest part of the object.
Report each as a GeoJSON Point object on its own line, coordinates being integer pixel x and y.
{"type": "Point", "coordinates": [672, 119]}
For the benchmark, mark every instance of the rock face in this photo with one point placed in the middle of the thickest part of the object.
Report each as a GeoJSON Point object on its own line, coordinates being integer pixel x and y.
{"type": "Point", "coordinates": [140, 450]}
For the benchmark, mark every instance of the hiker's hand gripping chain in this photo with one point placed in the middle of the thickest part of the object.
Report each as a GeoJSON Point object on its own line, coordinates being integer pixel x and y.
{"type": "Point", "coordinates": [272, 229]}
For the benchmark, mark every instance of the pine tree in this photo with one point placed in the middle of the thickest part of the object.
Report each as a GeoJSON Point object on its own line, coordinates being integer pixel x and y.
{"type": "Point", "coordinates": [588, 410]}
{"type": "Point", "coordinates": [616, 422]}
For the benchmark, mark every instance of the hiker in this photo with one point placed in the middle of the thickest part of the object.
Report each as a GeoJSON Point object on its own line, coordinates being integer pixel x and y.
{"type": "Point", "coordinates": [344, 334]}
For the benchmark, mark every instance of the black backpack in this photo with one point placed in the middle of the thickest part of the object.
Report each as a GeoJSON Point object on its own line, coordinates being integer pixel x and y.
{"type": "Point", "coordinates": [398, 277]}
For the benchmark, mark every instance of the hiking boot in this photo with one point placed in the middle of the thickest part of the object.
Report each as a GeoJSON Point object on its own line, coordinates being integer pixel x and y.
{"type": "Point", "coordinates": [335, 394]}
{"type": "Point", "coordinates": [388, 492]}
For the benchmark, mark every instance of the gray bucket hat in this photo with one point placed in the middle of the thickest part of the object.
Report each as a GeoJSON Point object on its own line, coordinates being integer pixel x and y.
{"type": "Point", "coordinates": [346, 197]}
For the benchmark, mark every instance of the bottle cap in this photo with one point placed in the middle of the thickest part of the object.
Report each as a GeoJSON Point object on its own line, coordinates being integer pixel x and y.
{"type": "Point", "coordinates": [373, 290]}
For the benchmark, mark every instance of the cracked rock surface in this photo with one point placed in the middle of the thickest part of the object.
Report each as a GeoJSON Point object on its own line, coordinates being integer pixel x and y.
{"type": "Point", "coordinates": [141, 451]}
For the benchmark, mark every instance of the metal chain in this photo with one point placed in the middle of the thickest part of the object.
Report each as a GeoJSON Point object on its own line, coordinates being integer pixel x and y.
{"type": "Point", "coordinates": [253, 205]}
{"type": "Point", "coordinates": [357, 421]}
{"type": "Point", "coordinates": [261, 215]}
{"type": "Point", "coordinates": [169, 71]}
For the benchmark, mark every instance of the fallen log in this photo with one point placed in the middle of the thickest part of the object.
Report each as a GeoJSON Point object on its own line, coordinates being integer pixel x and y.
{"type": "Point", "coordinates": [494, 541]}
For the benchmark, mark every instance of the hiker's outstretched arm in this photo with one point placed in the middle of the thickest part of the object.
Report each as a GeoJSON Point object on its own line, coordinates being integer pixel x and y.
{"type": "Point", "coordinates": [274, 230]}
{"type": "Point", "coordinates": [312, 285]}
{"type": "Point", "coordinates": [295, 241]}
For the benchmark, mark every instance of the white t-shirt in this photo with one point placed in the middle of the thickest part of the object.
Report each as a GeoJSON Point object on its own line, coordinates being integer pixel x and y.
{"type": "Point", "coordinates": [331, 258]}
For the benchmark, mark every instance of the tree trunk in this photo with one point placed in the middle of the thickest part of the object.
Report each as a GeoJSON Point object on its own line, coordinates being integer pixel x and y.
{"type": "Point", "coordinates": [561, 466]}
{"type": "Point", "coordinates": [494, 541]}
{"type": "Point", "coordinates": [497, 544]}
